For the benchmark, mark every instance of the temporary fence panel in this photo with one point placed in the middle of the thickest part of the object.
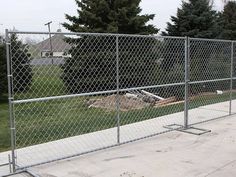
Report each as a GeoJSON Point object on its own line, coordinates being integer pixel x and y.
{"type": "Point", "coordinates": [80, 92]}
{"type": "Point", "coordinates": [210, 78]}
{"type": "Point", "coordinates": [233, 73]}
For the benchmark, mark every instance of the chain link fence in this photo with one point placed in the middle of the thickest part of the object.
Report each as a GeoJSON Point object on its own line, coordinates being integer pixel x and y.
{"type": "Point", "coordinates": [78, 93]}
{"type": "Point", "coordinates": [210, 78]}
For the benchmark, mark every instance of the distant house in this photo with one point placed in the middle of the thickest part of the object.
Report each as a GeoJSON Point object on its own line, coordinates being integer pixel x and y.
{"type": "Point", "coordinates": [56, 47]}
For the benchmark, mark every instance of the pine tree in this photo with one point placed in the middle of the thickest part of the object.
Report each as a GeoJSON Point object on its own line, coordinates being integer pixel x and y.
{"type": "Point", "coordinates": [110, 16]}
{"type": "Point", "coordinates": [194, 19]}
{"type": "Point", "coordinates": [228, 26]}
{"type": "Point", "coordinates": [21, 69]}
{"type": "Point", "coordinates": [228, 21]}
{"type": "Point", "coordinates": [92, 66]}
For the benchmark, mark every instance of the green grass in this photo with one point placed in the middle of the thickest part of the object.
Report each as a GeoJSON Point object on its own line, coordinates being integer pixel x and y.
{"type": "Point", "coordinates": [40, 122]}
{"type": "Point", "coordinates": [46, 82]}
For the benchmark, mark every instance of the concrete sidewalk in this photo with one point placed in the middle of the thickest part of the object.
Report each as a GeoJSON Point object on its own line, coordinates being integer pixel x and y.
{"type": "Point", "coordinates": [78, 144]}
{"type": "Point", "coordinates": [174, 154]}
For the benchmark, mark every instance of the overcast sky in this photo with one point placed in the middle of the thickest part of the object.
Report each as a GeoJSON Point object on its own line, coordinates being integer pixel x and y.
{"type": "Point", "coordinates": [31, 15]}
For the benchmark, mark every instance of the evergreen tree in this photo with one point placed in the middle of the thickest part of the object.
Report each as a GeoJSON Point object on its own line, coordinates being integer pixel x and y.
{"type": "Point", "coordinates": [228, 26]}
{"type": "Point", "coordinates": [92, 66]}
{"type": "Point", "coordinates": [3, 70]}
{"type": "Point", "coordinates": [228, 21]}
{"type": "Point", "coordinates": [21, 69]}
{"type": "Point", "coordinates": [110, 16]}
{"type": "Point", "coordinates": [194, 19]}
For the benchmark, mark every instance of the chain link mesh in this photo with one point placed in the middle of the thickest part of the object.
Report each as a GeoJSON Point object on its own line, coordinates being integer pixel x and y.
{"type": "Point", "coordinates": [83, 92]}
{"type": "Point", "coordinates": [234, 80]}
{"type": "Point", "coordinates": [210, 73]}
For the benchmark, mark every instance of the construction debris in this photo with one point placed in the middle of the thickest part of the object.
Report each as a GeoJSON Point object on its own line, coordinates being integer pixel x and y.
{"type": "Point", "coordinates": [125, 103]}
{"type": "Point", "coordinates": [165, 102]}
{"type": "Point", "coordinates": [134, 100]}
{"type": "Point", "coordinates": [219, 92]}
{"type": "Point", "coordinates": [152, 95]}
{"type": "Point", "coordinates": [130, 95]}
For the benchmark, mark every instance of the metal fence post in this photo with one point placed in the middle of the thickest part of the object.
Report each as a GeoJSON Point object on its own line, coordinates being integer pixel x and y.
{"type": "Point", "coordinates": [10, 99]}
{"type": "Point", "coordinates": [117, 90]}
{"type": "Point", "coordinates": [186, 80]}
{"type": "Point", "coordinates": [231, 77]}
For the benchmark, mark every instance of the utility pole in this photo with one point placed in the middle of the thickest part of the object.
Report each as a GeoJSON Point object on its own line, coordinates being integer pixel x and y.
{"type": "Point", "coordinates": [59, 25]}
{"type": "Point", "coordinates": [50, 37]}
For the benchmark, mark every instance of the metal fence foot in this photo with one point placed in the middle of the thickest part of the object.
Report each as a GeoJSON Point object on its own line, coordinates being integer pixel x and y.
{"type": "Point", "coordinates": [190, 129]}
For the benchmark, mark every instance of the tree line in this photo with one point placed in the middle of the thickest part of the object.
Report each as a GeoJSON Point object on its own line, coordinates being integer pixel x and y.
{"type": "Point", "coordinates": [95, 71]}
{"type": "Point", "coordinates": [90, 55]}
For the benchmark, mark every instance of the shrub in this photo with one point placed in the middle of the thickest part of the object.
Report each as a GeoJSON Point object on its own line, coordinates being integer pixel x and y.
{"type": "Point", "coordinates": [3, 70]}
{"type": "Point", "coordinates": [21, 69]}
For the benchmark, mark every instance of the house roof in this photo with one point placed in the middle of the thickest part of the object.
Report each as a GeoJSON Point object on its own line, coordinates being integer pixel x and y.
{"type": "Point", "coordinates": [58, 44]}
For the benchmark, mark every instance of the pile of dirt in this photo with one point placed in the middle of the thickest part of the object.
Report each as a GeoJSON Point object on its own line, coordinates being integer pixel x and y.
{"type": "Point", "coordinates": [125, 103]}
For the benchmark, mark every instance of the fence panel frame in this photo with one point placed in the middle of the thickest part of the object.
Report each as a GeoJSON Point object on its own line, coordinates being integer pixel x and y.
{"type": "Point", "coordinates": [231, 80]}
{"type": "Point", "coordinates": [10, 103]}
{"type": "Point", "coordinates": [187, 82]}
{"type": "Point", "coordinates": [117, 90]}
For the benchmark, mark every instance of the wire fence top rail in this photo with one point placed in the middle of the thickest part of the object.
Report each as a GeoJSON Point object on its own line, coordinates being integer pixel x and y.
{"type": "Point", "coordinates": [119, 34]}
{"type": "Point", "coordinates": [96, 34]}
{"type": "Point", "coordinates": [211, 40]}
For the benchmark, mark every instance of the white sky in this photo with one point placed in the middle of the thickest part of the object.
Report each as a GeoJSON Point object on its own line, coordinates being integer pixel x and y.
{"type": "Point", "coordinates": [31, 15]}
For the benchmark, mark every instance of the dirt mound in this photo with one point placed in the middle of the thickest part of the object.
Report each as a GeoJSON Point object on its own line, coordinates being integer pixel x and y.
{"type": "Point", "coordinates": [125, 103]}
